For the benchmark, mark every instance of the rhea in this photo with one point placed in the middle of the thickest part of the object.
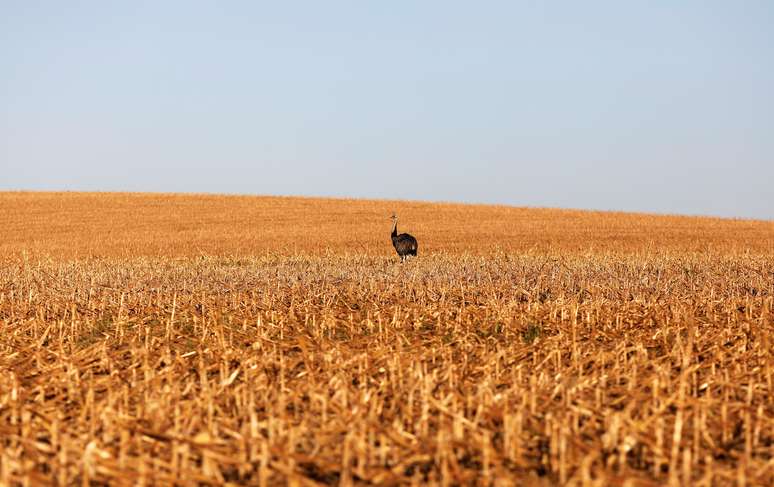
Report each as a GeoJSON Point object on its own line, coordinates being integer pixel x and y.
{"type": "Point", "coordinates": [405, 244]}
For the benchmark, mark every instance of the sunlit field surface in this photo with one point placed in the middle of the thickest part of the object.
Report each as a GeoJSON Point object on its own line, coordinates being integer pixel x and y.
{"type": "Point", "coordinates": [204, 340]}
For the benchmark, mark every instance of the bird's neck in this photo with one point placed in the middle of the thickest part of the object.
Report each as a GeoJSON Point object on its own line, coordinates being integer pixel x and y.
{"type": "Point", "coordinates": [395, 228]}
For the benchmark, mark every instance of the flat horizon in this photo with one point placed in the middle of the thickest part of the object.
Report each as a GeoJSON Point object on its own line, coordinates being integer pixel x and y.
{"type": "Point", "coordinates": [419, 200]}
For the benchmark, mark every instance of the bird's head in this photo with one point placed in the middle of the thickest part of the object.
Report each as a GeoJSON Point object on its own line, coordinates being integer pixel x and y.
{"type": "Point", "coordinates": [393, 217]}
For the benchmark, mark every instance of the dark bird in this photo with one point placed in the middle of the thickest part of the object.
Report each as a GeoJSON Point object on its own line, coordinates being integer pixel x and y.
{"type": "Point", "coordinates": [404, 243]}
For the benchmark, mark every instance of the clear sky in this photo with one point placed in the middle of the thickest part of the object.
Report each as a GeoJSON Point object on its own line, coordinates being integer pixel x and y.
{"type": "Point", "coordinates": [657, 106]}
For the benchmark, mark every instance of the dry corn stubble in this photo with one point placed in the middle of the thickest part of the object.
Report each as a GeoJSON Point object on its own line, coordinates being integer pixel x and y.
{"type": "Point", "coordinates": [207, 339]}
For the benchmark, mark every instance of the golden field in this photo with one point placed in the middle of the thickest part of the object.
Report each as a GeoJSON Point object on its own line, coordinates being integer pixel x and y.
{"type": "Point", "coordinates": [209, 340]}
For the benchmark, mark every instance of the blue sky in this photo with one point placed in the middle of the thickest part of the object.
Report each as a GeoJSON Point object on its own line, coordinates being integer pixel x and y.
{"type": "Point", "coordinates": [638, 106]}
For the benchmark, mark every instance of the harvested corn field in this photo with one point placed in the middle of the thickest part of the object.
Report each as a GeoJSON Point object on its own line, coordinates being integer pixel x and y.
{"type": "Point", "coordinates": [206, 340]}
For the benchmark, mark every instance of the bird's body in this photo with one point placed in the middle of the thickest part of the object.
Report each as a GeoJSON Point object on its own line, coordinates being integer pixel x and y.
{"type": "Point", "coordinates": [405, 244]}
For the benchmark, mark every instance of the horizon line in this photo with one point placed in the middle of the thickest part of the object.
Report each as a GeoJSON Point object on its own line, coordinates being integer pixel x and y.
{"type": "Point", "coordinates": [405, 200]}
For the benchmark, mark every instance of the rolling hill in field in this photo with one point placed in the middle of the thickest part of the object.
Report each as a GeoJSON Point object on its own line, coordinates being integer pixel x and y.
{"type": "Point", "coordinates": [126, 224]}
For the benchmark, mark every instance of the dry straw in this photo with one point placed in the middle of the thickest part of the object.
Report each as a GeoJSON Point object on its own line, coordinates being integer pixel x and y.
{"type": "Point", "coordinates": [621, 350]}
